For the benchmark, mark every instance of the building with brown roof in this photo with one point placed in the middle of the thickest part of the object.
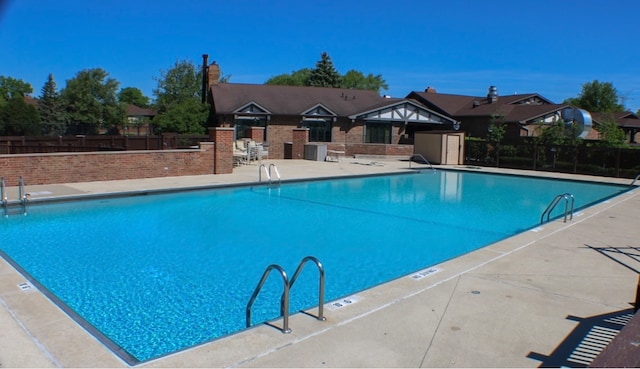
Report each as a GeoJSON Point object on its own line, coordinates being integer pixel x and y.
{"type": "Point", "coordinates": [352, 121]}
{"type": "Point", "coordinates": [522, 113]}
{"type": "Point", "coordinates": [626, 120]}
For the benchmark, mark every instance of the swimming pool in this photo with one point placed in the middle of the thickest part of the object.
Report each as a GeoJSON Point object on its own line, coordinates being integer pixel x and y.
{"type": "Point", "coordinates": [160, 273]}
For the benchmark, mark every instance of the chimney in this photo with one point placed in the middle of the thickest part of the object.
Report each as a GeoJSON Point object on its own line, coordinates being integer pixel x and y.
{"type": "Point", "coordinates": [205, 77]}
{"type": "Point", "coordinates": [214, 74]}
{"type": "Point", "coordinates": [492, 96]}
{"type": "Point", "coordinates": [430, 90]}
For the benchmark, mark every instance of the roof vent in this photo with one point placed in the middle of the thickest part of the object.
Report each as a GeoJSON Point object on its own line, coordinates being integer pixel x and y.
{"type": "Point", "coordinates": [476, 103]}
{"type": "Point", "coordinates": [493, 94]}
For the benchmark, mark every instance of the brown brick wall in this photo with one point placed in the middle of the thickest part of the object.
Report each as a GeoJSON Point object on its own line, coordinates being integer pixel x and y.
{"type": "Point", "coordinates": [223, 158]}
{"type": "Point", "coordinates": [104, 166]}
{"type": "Point", "coordinates": [300, 138]}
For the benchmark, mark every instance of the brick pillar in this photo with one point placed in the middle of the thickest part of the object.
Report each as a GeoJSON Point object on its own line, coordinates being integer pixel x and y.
{"type": "Point", "coordinates": [300, 138]}
{"type": "Point", "coordinates": [256, 134]}
{"type": "Point", "coordinates": [223, 159]}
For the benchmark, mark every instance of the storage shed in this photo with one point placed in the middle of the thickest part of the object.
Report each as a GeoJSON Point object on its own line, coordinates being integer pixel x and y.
{"type": "Point", "coordinates": [440, 147]}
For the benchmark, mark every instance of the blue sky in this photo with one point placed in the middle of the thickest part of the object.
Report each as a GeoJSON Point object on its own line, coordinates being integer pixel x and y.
{"type": "Point", "coordinates": [455, 46]}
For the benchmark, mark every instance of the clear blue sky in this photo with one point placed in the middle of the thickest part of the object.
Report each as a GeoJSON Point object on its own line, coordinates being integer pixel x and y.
{"type": "Point", "coordinates": [551, 47]}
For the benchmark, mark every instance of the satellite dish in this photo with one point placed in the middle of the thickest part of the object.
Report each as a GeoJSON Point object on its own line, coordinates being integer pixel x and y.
{"type": "Point", "coordinates": [580, 117]}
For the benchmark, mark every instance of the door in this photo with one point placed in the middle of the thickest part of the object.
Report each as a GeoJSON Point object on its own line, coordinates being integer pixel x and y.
{"type": "Point", "coordinates": [453, 149]}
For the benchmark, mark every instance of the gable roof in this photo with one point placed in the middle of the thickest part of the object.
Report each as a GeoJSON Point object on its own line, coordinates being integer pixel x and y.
{"type": "Point", "coordinates": [624, 119]}
{"type": "Point", "coordinates": [291, 100]}
{"type": "Point", "coordinates": [515, 108]}
{"type": "Point", "coordinates": [136, 111]}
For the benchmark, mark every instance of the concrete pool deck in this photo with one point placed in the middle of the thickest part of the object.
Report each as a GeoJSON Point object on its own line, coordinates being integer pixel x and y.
{"type": "Point", "coordinates": [523, 302]}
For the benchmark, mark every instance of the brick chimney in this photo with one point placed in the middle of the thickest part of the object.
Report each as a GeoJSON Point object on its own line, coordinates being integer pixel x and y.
{"type": "Point", "coordinates": [214, 74]}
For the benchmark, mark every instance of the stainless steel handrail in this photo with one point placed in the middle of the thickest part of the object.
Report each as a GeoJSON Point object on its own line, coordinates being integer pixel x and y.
{"type": "Point", "coordinates": [635, 180]}
{"type": "Point", "coordinates": [321, 282]}
{"type": "Point", "coordinates": [265, 172]}
{"type": "Point", "coordinates": [284, 300]}
{"type": "Point", "coordinates": [22, 195]}
{"type": "Point", "coordinates": [554, 203]}
{"type": "Point", "coordinates": [3, 194]}
{"type": "Point", "coordinates": [275, 169]}
{"type": "Point", "coordinates": [423, 159]}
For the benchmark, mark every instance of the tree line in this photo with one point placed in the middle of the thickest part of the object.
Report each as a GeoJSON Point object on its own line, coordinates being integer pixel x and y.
{"type": "Point", "coordinates": [92, 102]}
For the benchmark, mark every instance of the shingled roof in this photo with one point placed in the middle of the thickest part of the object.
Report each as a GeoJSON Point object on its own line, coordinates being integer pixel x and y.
{"type": "Point", "coordinates": [513, 107]}
{"type": "Point", "coordinates": [227, 98]}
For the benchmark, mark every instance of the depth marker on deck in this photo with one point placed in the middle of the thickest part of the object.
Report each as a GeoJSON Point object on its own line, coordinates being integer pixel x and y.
{"type": "Point", "coordinates": [424, 273]}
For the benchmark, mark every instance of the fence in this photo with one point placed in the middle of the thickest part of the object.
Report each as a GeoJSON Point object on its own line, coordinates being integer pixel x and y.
{"type": "Point", "coordinates": [587, 158]}
{"type": "Point", "coordinates": [82, 143]}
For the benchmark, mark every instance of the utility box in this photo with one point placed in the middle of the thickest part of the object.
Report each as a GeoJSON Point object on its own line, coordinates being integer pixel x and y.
{"type": "Point", "coordinates": [315, 151]}
{"type": "Point", "coordinates": [440, 147]}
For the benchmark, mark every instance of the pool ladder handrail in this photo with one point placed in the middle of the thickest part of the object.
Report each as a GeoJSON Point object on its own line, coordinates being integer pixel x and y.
{"type": "Point", "coordinates": [423, 159]}
{"type": "Point", "coordinates": [268, 173]}
{"type": "Point", "coordinates": [284, 299]}
{"type": "Point", "coordinates": [554, 203]}
{"type": "Point", "coordinates": [3, 194]}
{"type": "Point", "coordinates": [22, 195]}
{"type": "Point", "coordinates": [635, 180]}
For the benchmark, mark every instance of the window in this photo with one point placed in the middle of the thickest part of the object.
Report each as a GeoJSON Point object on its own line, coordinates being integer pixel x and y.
{"type": "Point", "coordinates": [378, 133]}
{"type": "Point", "coordinates": [319, 130]}
{"type": "Point", "coordinates": [242, 125]}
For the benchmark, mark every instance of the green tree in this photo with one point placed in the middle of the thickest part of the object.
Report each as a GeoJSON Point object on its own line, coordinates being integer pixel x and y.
{"type": "Point", "coordinates": [10, 87]}
{"type": "Point", "coordinates": [134, 96]}
{"type": "Point", "coordinates": [180, 83]}
{"type": "Point", "coordinates": [597, 97]}
{"type": "Point", "coordinates": [610, 134]}
{"type": "Point", "coordinates": [357, 80]}
{"type": "Point", "coordinates": [50, 108]}
{"type": "Point", "coordinates": [325, 74]}
{"type": "Point", "coordinates": [17, 118]}
{"type": "Point", "coordinates": [497, 129]}
{"type": "Point", "coordinates": [188, 116]}
{"type": "Point", "coordinates": [296, 78]}
{"type": "Point", "coordinates": [559, 133]}
{"type": "Point", "coordinates": [92, 102]}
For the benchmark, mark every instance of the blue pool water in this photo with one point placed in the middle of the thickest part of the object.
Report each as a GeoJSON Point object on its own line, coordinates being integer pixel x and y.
{"type": "Point", "coordinates": [159, 273]}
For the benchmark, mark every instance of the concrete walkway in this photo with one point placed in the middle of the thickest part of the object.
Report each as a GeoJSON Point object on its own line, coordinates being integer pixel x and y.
{"type": "Point", "coordinates": [523, 302]}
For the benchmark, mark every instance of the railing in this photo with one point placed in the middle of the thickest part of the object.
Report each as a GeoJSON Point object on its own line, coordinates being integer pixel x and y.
{"type": "Point", "coordinates": [554, 203]}
{"type": "Point", "coordinates": [3, 194]}
{"type": "Point", "coordinates": [22, 195]}
{"type": "Point", "coordinates": [423, 159]}
{"type": "Point", "coordinates": [284, 299]}
{"type": "Point", "coordinates": [634, 180]}
{"type": "Point", "coordinates": [268, 173]}
{"type": "Point", "coordinates": [321, 282]}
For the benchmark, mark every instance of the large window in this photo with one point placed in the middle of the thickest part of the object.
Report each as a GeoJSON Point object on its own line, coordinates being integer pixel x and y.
{"type": "Point", "coordinates": [378, 133]}
{"type": "Point", "coordinates": [243, 124]}
{"type": "Point", "coordinates": [319, 130]}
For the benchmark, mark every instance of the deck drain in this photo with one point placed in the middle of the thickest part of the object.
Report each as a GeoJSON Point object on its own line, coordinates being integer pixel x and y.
{"type": "Point", "coordinates": [475, 292]}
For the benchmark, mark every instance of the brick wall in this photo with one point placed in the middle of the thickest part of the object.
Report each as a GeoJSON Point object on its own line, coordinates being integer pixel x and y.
{"type": "Point", "coordinates": [104, 166]}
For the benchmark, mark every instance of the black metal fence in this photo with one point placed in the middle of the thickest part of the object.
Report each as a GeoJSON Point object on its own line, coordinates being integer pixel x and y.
{"type": "Point", "coordinates": [587, 158]}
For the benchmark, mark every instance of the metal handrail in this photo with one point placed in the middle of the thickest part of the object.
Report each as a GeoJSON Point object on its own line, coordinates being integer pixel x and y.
{"type": "Point", "coordinates": [22, 195]}
{"type": "Point", "coordinates": [275, 169]}
{"type": "Point", "coordinates": [284, 300]}
{"type": "Point", "coordinates": [265, 172]}
{"type": "Point", "coordinates": [635, 180]}
{"type": "Point", "coordinates": [555, 202]}
{"type": "Point", "coordinates": [3, 194]}
{"type": "Point", "coordinates": [423, 159]}
{"type": "Point", "coordinates": [321, 283]}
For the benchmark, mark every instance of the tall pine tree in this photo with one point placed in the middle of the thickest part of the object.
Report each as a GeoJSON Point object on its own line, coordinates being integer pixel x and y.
{"type": "Point", "coordinates": [325, 74]}
{"type": "Point", "coordinates": [51, 109]}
